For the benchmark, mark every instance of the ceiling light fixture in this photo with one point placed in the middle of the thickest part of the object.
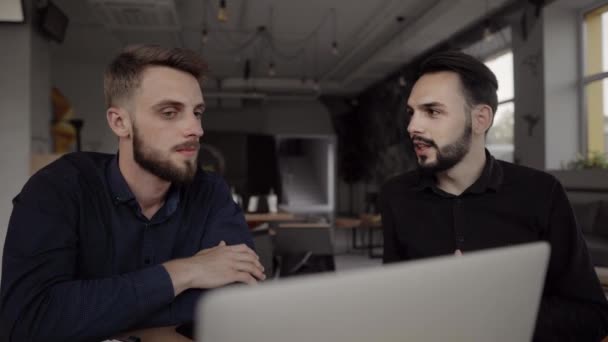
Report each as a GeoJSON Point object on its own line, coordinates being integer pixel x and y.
{"type": "Point", "coordinates": [204, 36]}
{"type": "Point", "coordinates": [402, 81]}
{"type": "Point", "coordinates": [315, 85]}
{"type": "Point", "coordinates": [334, 43]}
{"type": "Point", "coordinates": [487, 34]}
{"type": "Point", "coordinates": [271, 70]}
{"type": "Point", "coordinates": [334, 48]}
{"type": "Point", "coordinates": [222, 14]}
{"type": "Point", "coordinates": [487, 30]}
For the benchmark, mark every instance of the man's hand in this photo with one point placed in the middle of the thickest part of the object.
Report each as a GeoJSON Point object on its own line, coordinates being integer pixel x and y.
{"type": "Point", "coordinates": [215, 267]}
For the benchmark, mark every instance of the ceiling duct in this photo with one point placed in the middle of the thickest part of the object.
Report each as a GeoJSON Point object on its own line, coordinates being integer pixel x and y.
{"type": "Point", "coordinates": [147, 15]}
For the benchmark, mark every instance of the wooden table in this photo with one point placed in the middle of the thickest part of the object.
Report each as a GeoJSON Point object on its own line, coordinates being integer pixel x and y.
{"type": "Point", "coordinates": [276, 217]}
{"type": "Point", "coordinates": [369, 223]}
{"type": "Point", "coordinates": [161, 334]}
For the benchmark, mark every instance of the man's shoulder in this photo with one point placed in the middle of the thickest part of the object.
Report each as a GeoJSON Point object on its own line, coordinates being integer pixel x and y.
{"type": "Point", "coordinates": [527, 177]}
{"type": "Point", "coordinates": [77, 162]}
{"type": "Point", "coordinates": [69, 168]}
{"type": "Point", "coordinates": [207, 182]}
{"type": "Point", "coordinates": [204, 178]}
{"type": "Point", "coordinates": [401, 184]}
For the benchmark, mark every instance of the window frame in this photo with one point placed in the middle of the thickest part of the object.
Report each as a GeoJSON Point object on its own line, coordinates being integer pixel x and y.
{"type": "Point", "coordinates": [507, 49]}
{"type": "Point", "coordinates": [583, 80]}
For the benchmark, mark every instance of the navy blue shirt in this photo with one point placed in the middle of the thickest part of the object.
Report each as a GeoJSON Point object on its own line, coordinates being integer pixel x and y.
{"type": "Point", "coordinates": [82, 263]}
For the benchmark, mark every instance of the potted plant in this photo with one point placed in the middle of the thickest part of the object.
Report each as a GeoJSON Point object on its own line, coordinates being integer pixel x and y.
{"type": "Point", "coordinates": [585, 173]}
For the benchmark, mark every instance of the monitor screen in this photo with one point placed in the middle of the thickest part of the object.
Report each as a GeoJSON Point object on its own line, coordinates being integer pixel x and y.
{"type": "Point", "coordinates": [11, 11]}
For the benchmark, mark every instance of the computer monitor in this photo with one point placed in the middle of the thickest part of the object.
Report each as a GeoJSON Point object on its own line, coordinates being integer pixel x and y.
{"type": "Point", "coordinates": [490, 295]}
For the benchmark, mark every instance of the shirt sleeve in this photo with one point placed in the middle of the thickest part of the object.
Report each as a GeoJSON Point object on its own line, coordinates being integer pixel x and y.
{"type": "Point", "coordinates": [41, 298]}
{"type": "Point", "coordinates": [573, 306]}
{"type": "Point", "coordinates": [226, 222]}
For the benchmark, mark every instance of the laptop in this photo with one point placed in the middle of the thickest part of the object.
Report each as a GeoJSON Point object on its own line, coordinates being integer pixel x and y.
{"type": "Point", "coordinates": [490, 295]}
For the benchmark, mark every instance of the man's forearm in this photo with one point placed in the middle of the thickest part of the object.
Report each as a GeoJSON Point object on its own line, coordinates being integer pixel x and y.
{"type": "Point", "coordinates": [180, 272]}
{"type": "Point", "coordinates": [181, 310]}
{"type": "Point", "coordinates": [85, 309]}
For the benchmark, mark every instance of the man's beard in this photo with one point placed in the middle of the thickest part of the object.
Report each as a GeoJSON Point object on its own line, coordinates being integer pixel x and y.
{"type": "Point", "coordinates": [449, 155]}
{"type": "Point", "coordinates": [152, 161]}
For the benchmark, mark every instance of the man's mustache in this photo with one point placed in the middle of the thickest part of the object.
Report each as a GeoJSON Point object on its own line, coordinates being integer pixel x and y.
{"type": "Point", "coordinates": [418, 139]}
{"type": "Point", "coordinates": [188, 145]}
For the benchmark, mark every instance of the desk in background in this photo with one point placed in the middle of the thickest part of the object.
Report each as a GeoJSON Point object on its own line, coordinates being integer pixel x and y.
{"type": "Point", "coordinates": [369, 224]}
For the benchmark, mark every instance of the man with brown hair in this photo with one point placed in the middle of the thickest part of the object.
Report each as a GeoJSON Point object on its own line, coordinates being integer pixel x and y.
{"type": "Point", "coordinates": [100, 244]}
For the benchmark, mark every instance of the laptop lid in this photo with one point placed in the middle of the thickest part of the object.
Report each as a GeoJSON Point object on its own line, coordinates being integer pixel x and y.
{"type": "Point", "coordinates": [491, 295]}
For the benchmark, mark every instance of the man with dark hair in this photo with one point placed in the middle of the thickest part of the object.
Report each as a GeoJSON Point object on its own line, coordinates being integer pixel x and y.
{"type": "Point", "coordinates": [100, 244]}
{"type": "Point", "coordinates": [461, 199]}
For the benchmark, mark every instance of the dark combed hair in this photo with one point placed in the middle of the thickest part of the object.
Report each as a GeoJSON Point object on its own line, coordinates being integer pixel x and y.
{"type": "Point", "coordinates": [478, 81]}
{"type": "Point", "coordinates": [123, 75]}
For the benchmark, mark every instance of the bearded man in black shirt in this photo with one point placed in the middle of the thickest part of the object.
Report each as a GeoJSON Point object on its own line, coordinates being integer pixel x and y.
{"type": "Point", "coordinates": [461, 199]}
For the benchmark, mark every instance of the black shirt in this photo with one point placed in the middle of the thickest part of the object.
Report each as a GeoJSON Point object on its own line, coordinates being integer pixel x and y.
{"type": "Point", "coordinates": [81, 262]}
{"type": "Point", "coordinates": [507, 205]}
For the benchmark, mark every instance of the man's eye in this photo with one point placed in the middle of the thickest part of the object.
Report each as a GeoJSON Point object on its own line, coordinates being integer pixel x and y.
{"type": "Point", "coordinates": [198, 114]}
{"type": "Point", "coordinates": [169, 114]}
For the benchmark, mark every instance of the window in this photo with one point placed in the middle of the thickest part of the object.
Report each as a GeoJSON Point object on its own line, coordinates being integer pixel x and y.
{"type": "Point", "coordinates": [595, 80]}
{"type": "Point", "coordinates": [500, 136]}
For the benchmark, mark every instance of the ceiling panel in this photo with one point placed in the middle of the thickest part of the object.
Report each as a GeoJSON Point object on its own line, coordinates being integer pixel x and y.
{"type": "Point", "coordinates": [297, 39]}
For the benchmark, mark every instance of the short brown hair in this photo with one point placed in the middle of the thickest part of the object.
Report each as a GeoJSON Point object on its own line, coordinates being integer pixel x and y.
{"type": "Point", "coordinates": [123, 75]}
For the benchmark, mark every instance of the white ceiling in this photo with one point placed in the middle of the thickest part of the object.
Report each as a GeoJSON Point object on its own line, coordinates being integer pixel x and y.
{"type": "Point", "coordinates": [298, 38]}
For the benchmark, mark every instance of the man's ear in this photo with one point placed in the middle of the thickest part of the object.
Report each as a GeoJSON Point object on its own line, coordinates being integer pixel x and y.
{"type": "Point", "coordinates": [482, 116]}
{"type": "Point", "coordinates": [119, 121]}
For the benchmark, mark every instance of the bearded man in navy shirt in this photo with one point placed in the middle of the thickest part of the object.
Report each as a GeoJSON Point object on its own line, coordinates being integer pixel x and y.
{"type": "Point", "coordinates": [100, 244]}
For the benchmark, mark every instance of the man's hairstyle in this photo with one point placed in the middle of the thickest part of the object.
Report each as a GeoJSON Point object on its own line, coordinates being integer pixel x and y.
{"type": "Point", "coordinates": [478, 81]}
{"type": "Point", "coordinates": [123, 75]}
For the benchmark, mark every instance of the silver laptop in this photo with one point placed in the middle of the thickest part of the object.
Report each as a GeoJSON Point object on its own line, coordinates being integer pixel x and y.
{"type": "Point", "coordinates": [491, 295]}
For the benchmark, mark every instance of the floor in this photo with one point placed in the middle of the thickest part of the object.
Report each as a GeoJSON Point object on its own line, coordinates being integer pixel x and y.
{"type": "Point", "coordinates": [355, 260]}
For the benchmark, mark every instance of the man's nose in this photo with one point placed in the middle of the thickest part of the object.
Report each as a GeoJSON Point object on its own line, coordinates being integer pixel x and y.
{"type": "Point", "coordinates": [414, 126]}
{"type": "Point", "coordinates": [194, 127]}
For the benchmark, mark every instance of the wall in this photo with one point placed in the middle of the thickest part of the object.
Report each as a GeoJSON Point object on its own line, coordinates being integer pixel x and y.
{"type": "Point", "coordinates": [562, 105]}
{"type": "Point", "coordinates": [528, 72]}
{"type": "Point", "coordinates": [15, 106]}
{"type": "Point", "coordinates": [82, 84]}
{"type": "Point", "coordinates": [40, 94]}
{"type": "Point", "coordinates": [25, 107]}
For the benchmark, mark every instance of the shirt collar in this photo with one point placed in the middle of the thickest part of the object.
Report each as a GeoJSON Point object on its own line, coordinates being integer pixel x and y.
{"type": "Point", "coordinates": [490, 179]}
{"type": "Point", "coordinates": [121, 193]}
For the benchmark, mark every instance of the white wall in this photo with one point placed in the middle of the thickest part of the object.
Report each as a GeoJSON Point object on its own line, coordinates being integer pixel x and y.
{"type": "Point", "coordinates": [15, 106]}
{"type": "Point", "coordinates": [562, 142]}
{"type": "Point", "coordinates": [40, 94]}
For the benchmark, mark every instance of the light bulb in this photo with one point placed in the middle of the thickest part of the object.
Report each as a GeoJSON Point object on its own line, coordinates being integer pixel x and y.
{"type": "Point", "coordinates": [334, 48]}
{"type": "Point", "coordinates": [222, 14]}
{"type": "Point", "coordinates": [204, 37]}
{"type": "Point", "coordinates": [402, 81]}
{"type": "Point", "coordinates": [271, 71]}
